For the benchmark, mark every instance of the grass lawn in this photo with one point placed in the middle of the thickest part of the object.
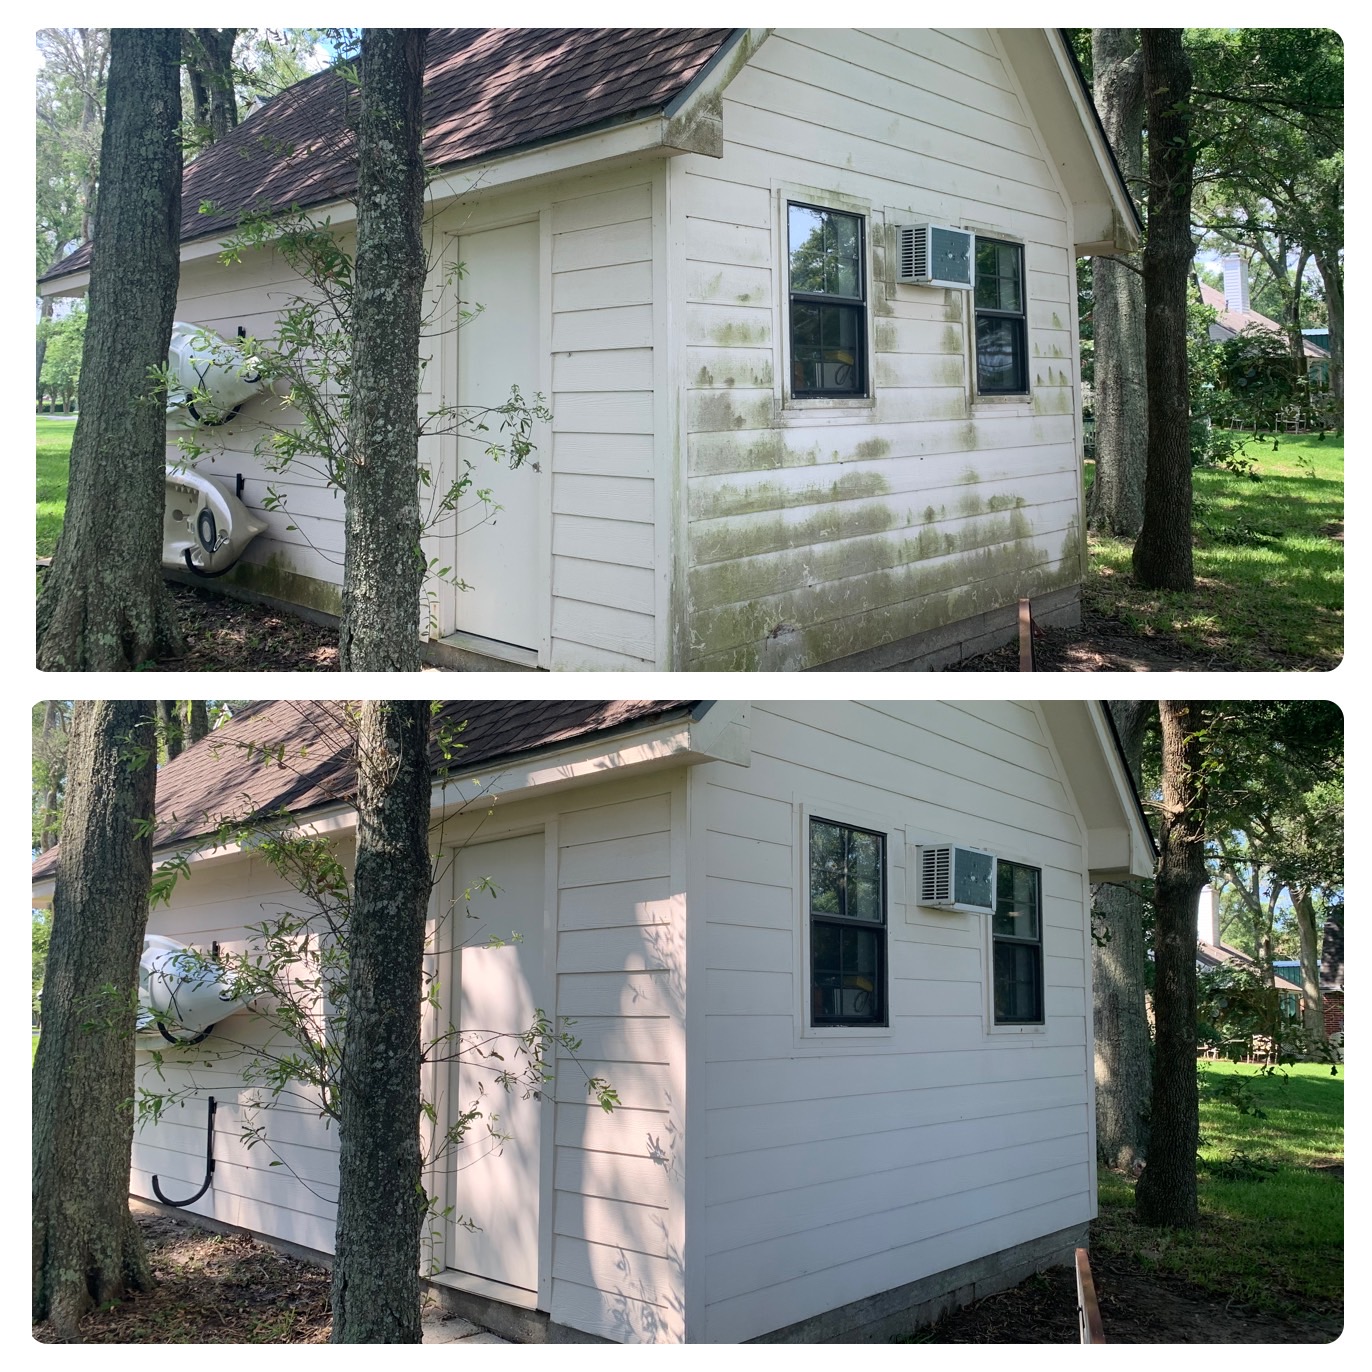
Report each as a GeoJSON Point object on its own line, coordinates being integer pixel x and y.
{"type": "Point", "coordinates": [54, 450]}
{"type": "Point", "coordinates": [1271, 1201]}
{"type": "Point", "coordinates": [1268, 562]}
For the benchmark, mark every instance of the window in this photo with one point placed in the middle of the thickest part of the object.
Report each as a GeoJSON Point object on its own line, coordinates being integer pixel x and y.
{"type": "Point", "coordinates": [828, 302]}
{"type": "Point", "coordinates": [1002, 329]}
{"type": "Point", "coordinates": [847, 892]}
{"type": "Point", "coordinates": [1017, 945]}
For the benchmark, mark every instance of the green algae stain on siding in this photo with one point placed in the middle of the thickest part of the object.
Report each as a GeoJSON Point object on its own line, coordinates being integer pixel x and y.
{"type": "Point", "coordinates": [747, 498]}
{"type": "Point", "coordinates": [278, 578]}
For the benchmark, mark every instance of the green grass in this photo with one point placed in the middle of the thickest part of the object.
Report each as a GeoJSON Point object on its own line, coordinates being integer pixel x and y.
{"type": "Point", "coordinates": [1271, 1231]}
{"type": "Point", "coordinates": [54, 452]}
{"type": "Point", "coordinates": [1269, 568]}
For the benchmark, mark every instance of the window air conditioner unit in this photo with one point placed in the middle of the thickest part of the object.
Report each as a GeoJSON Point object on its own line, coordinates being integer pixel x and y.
{"type": "Point", "coordinates": [952, 878]}
{"type": "Point", "coordinates": [935, 255]}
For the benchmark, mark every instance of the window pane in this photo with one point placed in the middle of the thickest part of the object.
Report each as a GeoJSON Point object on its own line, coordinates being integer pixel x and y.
{"type": "Point", "coordinates": [1017, 901]}
{"type": "Point", "coordinates": [825, 248]}
{"type": "Point", "coordinates": [826, 349]}
{"type": "Point", "coordinates": [806, 239]}
{"type": "Point", "coordinates": [846, 976]}
{"type": "Point", "coordinates": [1017, 982]}
{"type": "Point", "coordinates": [1000, 355]}
{"type": "Point", "coordinates": [826, 868]}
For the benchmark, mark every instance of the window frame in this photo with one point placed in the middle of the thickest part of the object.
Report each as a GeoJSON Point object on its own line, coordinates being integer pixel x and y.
{"type": "Point", "coordinates": [1018, 318]}
{"type": "Point", "coordinates": [995, 1024]}
{"type": "Point", "coordinates": [824, 203]}
{"type": "Point", "coordinates": [880, 1023]}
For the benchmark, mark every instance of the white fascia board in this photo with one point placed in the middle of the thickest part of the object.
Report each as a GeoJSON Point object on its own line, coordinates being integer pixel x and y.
{"type": "Point", "coordinates": [1103, 216]}
{"type": "Point", "coordinates": [1118, 844]}
{"type": "Point", "coordinates": [719, 734]}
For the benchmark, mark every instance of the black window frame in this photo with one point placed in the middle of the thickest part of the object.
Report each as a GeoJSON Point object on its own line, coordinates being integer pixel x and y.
{"type": "Point", "coordinates": [1017, 319]}
{"type": "Point", "coordinates": [856, 307]}
{"type": "Point", "coordinates": [878, 1014]}
{"type": "Point", "coordinates": [1016, 950]}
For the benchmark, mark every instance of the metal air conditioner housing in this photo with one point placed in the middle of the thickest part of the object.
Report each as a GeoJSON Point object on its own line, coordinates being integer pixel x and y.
{"type": "Point", "coordinates": [934, 255]}
{"type": "Point", "coordinates": [948, 877]}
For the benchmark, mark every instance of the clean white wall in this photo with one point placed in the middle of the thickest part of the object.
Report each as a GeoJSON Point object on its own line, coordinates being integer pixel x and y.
{"type": "Point", "coordinates": [840, 1165]}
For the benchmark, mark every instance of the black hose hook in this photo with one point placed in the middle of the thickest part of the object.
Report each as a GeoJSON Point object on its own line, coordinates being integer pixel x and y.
{"type": "Point", "coordinates": [209, 1167]}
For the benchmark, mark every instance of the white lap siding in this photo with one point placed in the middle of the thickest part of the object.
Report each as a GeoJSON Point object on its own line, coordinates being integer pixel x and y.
{"type": "Point", "coordinates": [285, 1186]}
{"type": "Point", "coordinates": [842, 1166]}
{"type": "Point", "coordinates": [607, 578]}
{"type": "Point", "coordinates": [821, 529]}
{"type": "Point", "coordinates": [619, 1177]}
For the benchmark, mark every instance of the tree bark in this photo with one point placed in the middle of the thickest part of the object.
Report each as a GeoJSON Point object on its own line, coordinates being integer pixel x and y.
{"type": "Point", "coordinates": [1331, 272]}
{"type": "Point", "coordinates": [1121, 403]}
{"type": "Point", "coordinates": [1123, 1069]}
{"type": "Point", "coordinates": [1303, 906]}
{"type": "Point", "coordinates": [383, 569]}
{"type": "Point", "coordinates": [197, 722]}
{"type": "Point", "coordinates": [169, 727]}
{"type": "Point", "coordinates": [104, 606]}
{"type": "Point", "coordinates": [209, 66]}
{"type": "Point", "coordinates": [86, 1248]}
{"type": "Point", "coordinates": [1162, 553]}
{"type": "Point", "coordinates": [1166, 1192]}
{"type": "Point", "coordinates": [381, 1202]}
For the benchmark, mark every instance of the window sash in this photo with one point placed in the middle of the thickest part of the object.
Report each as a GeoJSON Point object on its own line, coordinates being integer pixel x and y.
{"type": "Point", "coordinates": [1017, 945]}
{"type": "Point", "coordinates": [1002, 333]}
{"type": "Point", "coordinates": [827, 288]}
{"type": "Point", "coordinates": [846, 906]}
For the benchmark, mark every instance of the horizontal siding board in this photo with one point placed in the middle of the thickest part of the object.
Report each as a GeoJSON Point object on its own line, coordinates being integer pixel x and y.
{"type": "Point", "coordinates": [602, 626]}
{"type": "Point", "coordinates": [747, 859]}
{"type": "Point", "coordinates": [630, 588]}
{"type": "Point", "coordinates": [639, 1228]}
{"type": "Point", "coordinates": [620, 541]}
{"type": "Point", "coordinates": [603, 245]}
{"type": "Point", "coordinates": [747, 903]}
{"type": "Point", "coordinates": [594, 211]}
{"type": "Point", "coordinates": [748, 993]}
{"type": "Point", "coordinates": [603, 412]}
{"type": "Point", "coordinates": [595, 288]}
{"type": "Point", "coordinates": [615, 1316]}
{"type": "Point", "coordinates": [616, 993]}
{"type": "Point", "coordinates": [629, 858]}
{"type": "Point", "coordinates": [627, 950]}
{"type": "Point", "coordinates": [623, 326]}
{"type": "Point", "coordinates": [615, 369]}
{"type": "Point", "coordinates": [622, 819]}
{"type": "Point", "coordinates": [647, 900]}
{"type": "Point", "coordinates": [611, 1176]}
{"type": "Point", "coordinates": [639, 1276]}
{"type": "Point", "coordinates": [731, 947]}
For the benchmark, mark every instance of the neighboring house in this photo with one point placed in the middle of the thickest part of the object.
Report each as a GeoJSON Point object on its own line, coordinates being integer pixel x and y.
{"type": "Point", "coordinates": [1331, 975]}
{"type": "Point", "coordinates": [766, 451]}
{"type": "Point", "coordinates": [1211, 951]}
{"type": "Point", "coordinates": [1236, 315]}
{"type": "Point", "coordinates": [843, 1108]}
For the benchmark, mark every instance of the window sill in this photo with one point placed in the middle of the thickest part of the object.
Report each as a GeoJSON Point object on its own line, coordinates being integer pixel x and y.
{"type": "Point", "coordinates": [1016, 1030]}
{"type": "Point", "coordinates": [827, 409]}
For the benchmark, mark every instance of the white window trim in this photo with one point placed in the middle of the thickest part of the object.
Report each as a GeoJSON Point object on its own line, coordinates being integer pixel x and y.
{"type": "Point", "coordinates": [807, 408]}
{"type": "Point", "coordinates": [989, 953]}
{"type": "Point", "coordinates": [806, 808]}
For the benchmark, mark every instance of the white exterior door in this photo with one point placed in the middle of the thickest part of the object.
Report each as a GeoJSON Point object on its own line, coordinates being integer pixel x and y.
{"type": "Point", "coordinates": [499, 552]}
{"type": "Point", "coordinates": [498, 988]}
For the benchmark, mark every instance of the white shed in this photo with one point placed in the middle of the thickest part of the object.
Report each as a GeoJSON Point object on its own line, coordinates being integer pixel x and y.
{"type": "Point", "coordinates": [834, 957]}
{"type": "Point", "coordinates": [768, 448]}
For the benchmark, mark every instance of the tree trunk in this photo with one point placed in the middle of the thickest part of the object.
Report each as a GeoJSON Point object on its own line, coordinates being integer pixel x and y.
{"type": "Point", "coordinates": [381, 1202]}
{"type": "Point", "coordinates": [1166, 1193]}
{"type": "Point", "coordinates": [86, 1248]}
{"type": "Point", "coordinates": [1121, 1015]}
{"type": "Point", "coordinates": [169, 727]}
{"type": "Point", "coordinates": [50, 825]}
{"type": "Point", "coordinates": [1331, 272]}
{"type": "Point", "coordinates": [104, 606]}
{"type": "Point", "coordinates": [1121, 403]}
{"type": "Point", "coordinates": [1162, 554]}
{"type": "Point", "coordinates": [209, 65]}
{"type": "Point", "coordinates": [383, 569]}
{"type": "Point", "coordinates": [197, 722]}
{"type": "Point", "coordinates": [1313, 1014]}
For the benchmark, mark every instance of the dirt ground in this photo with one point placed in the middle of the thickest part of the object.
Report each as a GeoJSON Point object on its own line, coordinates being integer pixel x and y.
{"type": "Point", "coordinates": [225, 635]}
{"type": "Point", "coordinates": [214, 1288]}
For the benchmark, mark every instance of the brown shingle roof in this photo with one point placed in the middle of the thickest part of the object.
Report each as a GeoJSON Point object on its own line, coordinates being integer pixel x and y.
{"type": "Point", "coordinates": [1236, 321]}
{"type": "Point", "coordinates": [487, 91]}
{"type": "Point", "coordinates": [298, 755]}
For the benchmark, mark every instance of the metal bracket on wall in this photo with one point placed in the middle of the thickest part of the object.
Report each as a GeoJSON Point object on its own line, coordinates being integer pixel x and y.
{"type": "Point", "coordinates": [209, 1167]}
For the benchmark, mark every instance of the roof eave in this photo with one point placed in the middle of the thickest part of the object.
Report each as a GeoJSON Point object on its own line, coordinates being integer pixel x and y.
{"type": "Point", "coordinates": [1104, 218]}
